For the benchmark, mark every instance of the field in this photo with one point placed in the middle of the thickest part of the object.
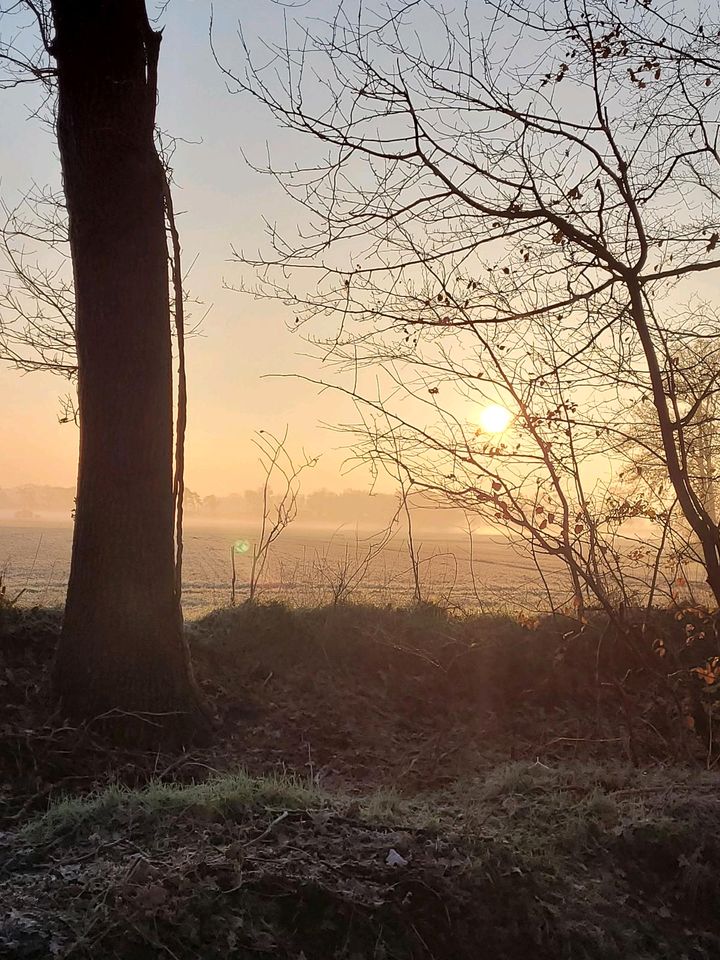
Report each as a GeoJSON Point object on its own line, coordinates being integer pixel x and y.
{"type": "Point", "coordinates": [306, 567]}
{"type": "Point", "coordinates": [311, 566]}
{"type": "Point", "coordinates": [382, 783]}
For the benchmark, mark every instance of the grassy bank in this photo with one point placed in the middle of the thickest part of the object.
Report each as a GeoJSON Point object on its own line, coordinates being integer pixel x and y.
{"type": "Point", "coordinates": [532, 861]}
{"type": "Point", "coordinates": [541, 786]}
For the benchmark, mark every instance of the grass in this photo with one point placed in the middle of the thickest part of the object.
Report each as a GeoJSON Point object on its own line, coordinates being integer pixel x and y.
{"type": "Point", "coordinates": [546, 793]}
{"type": "Point", "coordinates": [585, 690]}
{"type": "Point", "coordinates": [572, 863]}
{"type": "Point", "coordinates": [158, 802]}
{"type": "Point", "coordinates": [453, 657]}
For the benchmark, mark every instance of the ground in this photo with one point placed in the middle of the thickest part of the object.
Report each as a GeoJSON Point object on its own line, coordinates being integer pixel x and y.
{"type": "Point", "coordinates": [382, 784]}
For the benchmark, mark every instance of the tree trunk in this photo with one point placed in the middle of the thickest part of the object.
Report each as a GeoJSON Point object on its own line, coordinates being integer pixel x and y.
{"type": "Point", "coordinates": [122, 648]}
{"type": "Point", "coordinates": [693, 510]}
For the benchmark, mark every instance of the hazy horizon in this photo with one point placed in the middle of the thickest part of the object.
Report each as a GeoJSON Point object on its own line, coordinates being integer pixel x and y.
{"type": "Point", "coordinates": [320, 509]}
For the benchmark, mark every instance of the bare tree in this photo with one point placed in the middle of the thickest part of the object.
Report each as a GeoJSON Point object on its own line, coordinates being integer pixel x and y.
{"type": "Point", "coordinates": [346, 571]}
{"type": "Point", "coordinates": [37, 302]}
{"type": "Point", "coordinates": [279, 499]}
{"type": "Point", "coordinates": [695, 375]}
{"type": "Point", "coordinates": [507, 205]}
{"type": "Point", "coordinates": [122, 646]}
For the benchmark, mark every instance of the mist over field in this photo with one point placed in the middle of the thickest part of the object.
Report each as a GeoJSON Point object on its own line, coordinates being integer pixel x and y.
{"type": "Point", "coordinates": [347, 509]}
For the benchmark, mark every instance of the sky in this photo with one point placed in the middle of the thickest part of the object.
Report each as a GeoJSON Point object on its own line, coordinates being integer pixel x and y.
{"type": "Point", "coordinates": [221, 202]}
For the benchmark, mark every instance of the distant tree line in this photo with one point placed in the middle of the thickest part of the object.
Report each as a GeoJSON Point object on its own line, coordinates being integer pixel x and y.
{"type": "Point", "coordinates": [347, 508]}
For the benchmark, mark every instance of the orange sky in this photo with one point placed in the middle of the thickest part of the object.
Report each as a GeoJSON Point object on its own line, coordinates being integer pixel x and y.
{"type": "Point", "coordinates": [222, 202]}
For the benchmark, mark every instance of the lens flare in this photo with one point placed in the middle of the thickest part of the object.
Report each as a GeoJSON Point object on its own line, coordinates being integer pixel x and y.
{"type": "Point", "coordinates": [241, 546]}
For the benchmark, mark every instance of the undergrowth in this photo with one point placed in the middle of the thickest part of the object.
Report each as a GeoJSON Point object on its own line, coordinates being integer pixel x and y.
{"type": "Point", "coordinates": [394, 784]}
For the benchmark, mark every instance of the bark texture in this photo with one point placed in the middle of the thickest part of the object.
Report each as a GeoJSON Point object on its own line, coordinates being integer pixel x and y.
{"type": "Point", "coordinates": [122, 646]}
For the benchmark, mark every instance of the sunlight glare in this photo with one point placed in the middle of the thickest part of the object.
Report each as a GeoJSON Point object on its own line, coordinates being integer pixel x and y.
{"type": "Point", "coordinates": [495, 419]}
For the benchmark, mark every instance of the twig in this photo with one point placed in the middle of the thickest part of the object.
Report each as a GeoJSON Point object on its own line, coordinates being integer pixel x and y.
{"type": "Point", "coordinates": [270, 827]}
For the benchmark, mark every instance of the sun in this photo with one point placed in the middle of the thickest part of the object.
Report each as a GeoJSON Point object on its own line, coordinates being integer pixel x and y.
{"type": "Point", "coordinates": [495, 419]}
